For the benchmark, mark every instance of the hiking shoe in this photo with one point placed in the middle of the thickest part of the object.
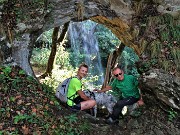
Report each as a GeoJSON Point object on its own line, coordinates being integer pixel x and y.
{"type": "Point", "coordinates": [111, 121]}
{"type": "Point", "coordinates": [107, 116]}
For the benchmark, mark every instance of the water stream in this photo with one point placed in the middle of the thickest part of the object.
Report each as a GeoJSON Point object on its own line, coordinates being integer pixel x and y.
{"type": "Point", "coordinates": [85, 48]}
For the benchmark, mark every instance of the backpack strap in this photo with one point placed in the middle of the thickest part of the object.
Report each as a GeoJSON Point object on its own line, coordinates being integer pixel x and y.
{"type": "Point", "coordinates": [69, 98]}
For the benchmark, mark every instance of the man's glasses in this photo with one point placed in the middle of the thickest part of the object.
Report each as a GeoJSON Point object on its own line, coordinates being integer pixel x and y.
{"type": "Point", "coordinates": [118, 74]}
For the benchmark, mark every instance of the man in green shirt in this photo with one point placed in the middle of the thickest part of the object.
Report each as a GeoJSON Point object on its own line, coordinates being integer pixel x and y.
{"type": "Point", "coordinates": [128, 85]}
{"type": "Point", "coordinates": [77, 100]}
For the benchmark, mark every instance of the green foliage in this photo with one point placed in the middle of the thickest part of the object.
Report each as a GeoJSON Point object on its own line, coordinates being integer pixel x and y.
{"type": "Point", "coordinates": [85, 127]}
{"type": "Point", "coordinates": [107, 40]}
{"type": "Point", "coordinates": [22, 72]}
{"type": "Point", "coordinates": [51, 82]}
{"type": "Point", "coordinates": [146, 65]}
{"type": "Point", "coordinates": [170, 31]}
{"type": "Point", "coordinates": [20, 117]}
{"type": "Point", "coordinates": [76, 58]}
{"type": "Point", "coordinates": [165, 64]}
{"type": "Point", "coordinates": [7, 71]}
{"type": "Point", "coordinates": [164, 47]}
{"type": "Point", "coordinates": [172, 114]}
{"type": "Point", "coordinates": [175, 52]}
{"type": "Point", "coordinates": [63, 58]}
{"type": "Point", "coordinates": [89, 82]}
{"type": "Point", "coordinates": [127, 61]}
{"type": "Point", "coordinates": [58, 75]}
{"type": "Point", "coordinates": [40, 56]}
{"type": "Point", "coordinates": [32, 106]}
{"type": "Point", "coordinates": [156, 47]}
{"type": "Point", "coordinates": [68, 126]}
{"type": "Point", "coordinates": [72, 118]}
{"type": "Point", "coordinates": [2, 1]}
{"type": "Point", "coordinates": [45, 38]}
{"type": "Point", "coordinates": [8, 74]}
{"type": "Point", "coordinates": [18, 11]}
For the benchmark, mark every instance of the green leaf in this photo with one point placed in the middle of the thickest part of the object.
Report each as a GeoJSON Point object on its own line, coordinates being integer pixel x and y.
{"type": "Point", "coordinates": [7, 70]}
{"type": "Point", "coordinates": [12, 99]}
{"type": "Point", "coordinates": [22, 72]}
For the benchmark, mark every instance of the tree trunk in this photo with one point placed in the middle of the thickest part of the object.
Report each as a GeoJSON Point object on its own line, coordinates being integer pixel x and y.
{"type": "Point", "coordinates": [63, 33]}
{"type": "Point", "coordinates": [55, 41]}
{"type": "Point", "coordinates": [21, 52]}
{"type": "Point", "coordinates": [112, 63]}
{"type": "Point", "coordinates": [52, 55]}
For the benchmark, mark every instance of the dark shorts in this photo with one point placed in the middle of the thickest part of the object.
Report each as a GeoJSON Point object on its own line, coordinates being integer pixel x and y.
{"type": "Point", "coordinates": [77, 101]}
{"type": "Point", "coordinates": [76, 107]}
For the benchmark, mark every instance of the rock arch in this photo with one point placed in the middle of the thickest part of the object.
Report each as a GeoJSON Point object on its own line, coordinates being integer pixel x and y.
{"type": "Point", "coordinates": [117, 15]}
{"type": "Point", "coordinates": [121, 16]}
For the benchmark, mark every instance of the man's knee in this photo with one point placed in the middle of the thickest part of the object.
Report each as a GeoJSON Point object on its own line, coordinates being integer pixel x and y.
{"type": "Point", "coordinates": [88, 104]}
{"type": "Point", "coordinates": [92, 102]}
{"type": "Point", "coordinates": [119, 104]}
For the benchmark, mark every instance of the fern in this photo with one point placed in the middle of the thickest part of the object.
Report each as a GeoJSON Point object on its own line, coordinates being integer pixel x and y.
{"type": "Point", "coordinates": [175, 52]}
{"type": "Point", "coordinates": [165, 35]}
{"type": "Point", "coordinates": [165, 65]}
{"type": "Point", "coordinates": [156, 47]}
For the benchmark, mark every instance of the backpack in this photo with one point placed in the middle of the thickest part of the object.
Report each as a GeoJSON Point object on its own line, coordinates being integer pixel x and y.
{"type": "Point", "coordinates": [62, 90]}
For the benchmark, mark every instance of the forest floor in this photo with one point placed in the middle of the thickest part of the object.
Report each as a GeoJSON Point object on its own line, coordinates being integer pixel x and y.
{"type": "Point", "coordinates": [27, 107]}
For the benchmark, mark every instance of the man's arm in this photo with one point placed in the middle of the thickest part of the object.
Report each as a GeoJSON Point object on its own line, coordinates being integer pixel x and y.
{"type": "Point", "coordinates": [104, 89]}
{"type": "Point", "coordinates": [82, 95]}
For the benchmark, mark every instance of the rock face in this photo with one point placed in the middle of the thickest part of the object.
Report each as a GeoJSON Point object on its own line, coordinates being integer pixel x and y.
{"type": "Point", "coordinates": [117, 15]}
{"type": "Point", "coordinates": [164, 86]}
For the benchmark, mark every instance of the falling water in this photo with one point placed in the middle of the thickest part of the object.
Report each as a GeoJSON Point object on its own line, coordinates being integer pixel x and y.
{"type": "Point", "coordinates": [84, 41]}
{"type": "Point", "coordinates": [75, 42]}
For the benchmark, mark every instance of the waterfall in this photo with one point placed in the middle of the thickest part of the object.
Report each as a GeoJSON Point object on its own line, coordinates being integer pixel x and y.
{"type": "Point", "coordinates": [75, 44]}
{"type": "Point", "coordinates": [85, 45]}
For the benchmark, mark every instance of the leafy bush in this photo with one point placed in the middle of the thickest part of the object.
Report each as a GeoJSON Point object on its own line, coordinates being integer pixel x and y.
{"type": "Point", "coordinates": [62, 58]}
{"type": "Point", "coordinates": [172, 114]}
{"type": "Point", "coordinates": [127, 61]}
{"type": "Point", "coordinates": [40, 57]}
{"type": "Point", "coordinates": [107, 42]}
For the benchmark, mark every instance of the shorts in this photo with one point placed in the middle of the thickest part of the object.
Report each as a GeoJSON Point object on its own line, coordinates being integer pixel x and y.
{"type": "Point", "coordinates": [77, 101]}
{"type": "Point", "coordinates": [76, 107]}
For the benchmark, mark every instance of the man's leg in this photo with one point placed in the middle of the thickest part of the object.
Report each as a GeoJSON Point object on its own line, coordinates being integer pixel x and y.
{"type": "Point", "coordinates": [87, 104]}
{"type": "Point", "coordinates": [119, 106]}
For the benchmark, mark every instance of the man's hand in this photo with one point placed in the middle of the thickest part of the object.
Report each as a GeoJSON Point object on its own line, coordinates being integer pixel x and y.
{"type": "Point", "coordinates": [140, 101]}
{"type": "Point", "coordinates": [104, 89]}
{"type": "Point", "coordinates": [96, 90]}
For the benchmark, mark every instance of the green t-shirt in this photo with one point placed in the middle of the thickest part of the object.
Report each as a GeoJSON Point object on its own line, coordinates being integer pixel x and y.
{"type": "Point", "coordinates": [128, 86]}
{"type": "Point", "coordinates": [74, 85]}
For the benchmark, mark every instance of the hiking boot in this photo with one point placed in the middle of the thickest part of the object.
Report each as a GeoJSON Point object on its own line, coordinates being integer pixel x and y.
{"type": "Point", "coordinates": [107, 116]}
{"type": "Point", "coordinates": [111, 121]}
